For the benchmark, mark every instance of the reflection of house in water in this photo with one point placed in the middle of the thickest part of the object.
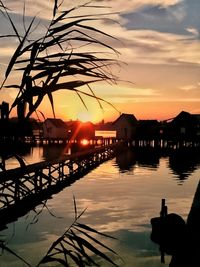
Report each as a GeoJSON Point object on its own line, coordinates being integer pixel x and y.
{"type": "Point", "coordinates": [53, 151]}
{"type": "Point", "coordinates": [148, 157]}
{"type": "Point", "coordinates": [21, 149]}
{"type": "Point", "coordinates": [126, 160]}
{"type": "Point", "coordinates": [54, 129]}
{"type": "Point", "coordinates": [184, 162]}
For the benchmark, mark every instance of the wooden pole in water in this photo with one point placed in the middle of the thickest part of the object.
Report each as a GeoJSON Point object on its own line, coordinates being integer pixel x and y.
{"type": "Point", "coordinates": [163, 214]}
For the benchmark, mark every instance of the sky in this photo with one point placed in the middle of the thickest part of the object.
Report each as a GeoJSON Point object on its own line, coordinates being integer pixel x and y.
{"type": "Point", "coordinates": [159, 70]}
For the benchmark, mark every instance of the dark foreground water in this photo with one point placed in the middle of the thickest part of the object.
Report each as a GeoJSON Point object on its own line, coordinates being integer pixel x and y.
{"type": "Point", "coordinates": [121, 196]}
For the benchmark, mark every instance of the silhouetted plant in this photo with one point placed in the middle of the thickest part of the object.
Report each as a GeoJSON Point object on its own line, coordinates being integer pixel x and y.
{"type": "Point", "coordinates": [37, 213]}
{"type": "Point", "coordinates": [78, 246]}
{"type": "Point", "coordinates": [46, 60]}
{"type": "Point", "coordinates": [3, 247]}
{"type": "Point", "coordinates": [3, 159]}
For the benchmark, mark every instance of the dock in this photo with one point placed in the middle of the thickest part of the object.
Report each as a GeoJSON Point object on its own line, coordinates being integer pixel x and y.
{"type": "Point", "coordinates": [23, 188]}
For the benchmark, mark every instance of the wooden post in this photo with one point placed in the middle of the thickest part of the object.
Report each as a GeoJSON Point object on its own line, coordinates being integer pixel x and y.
{"type": "Point", "coordinates": [163, 214]}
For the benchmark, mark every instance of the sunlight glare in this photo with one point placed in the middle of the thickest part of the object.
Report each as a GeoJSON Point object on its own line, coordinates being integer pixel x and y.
{"type": "Point", "coordinates": [84, 142]}
{"type": "Point", "coordinates": [84, 116]}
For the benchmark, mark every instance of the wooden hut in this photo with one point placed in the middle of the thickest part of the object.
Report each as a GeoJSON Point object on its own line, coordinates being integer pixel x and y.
{"type": "Point", "coordinates": [54, 129]}
{"type": "Point", "coordinates": [125, 126]}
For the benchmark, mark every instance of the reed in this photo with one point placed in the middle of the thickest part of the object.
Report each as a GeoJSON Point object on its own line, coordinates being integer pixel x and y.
{"type": "Point", "coordinates": [45, 60]}
{"type": "Point", "coordinates": [78, 245]}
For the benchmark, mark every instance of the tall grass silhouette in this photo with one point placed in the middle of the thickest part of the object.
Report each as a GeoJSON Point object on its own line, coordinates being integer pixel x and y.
{"type": "Point", "coordinates": [56, 61]}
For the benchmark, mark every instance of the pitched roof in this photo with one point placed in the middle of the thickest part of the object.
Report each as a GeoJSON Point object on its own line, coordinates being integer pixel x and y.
{"type": "Point", "coordinates": [182, 117]}
{"type": "Point", "coordinates": [58, 123]}
{"type": "Point", "coordinates": [129, 117]}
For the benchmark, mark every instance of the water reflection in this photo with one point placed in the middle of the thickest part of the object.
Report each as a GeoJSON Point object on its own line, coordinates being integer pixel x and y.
{"type": "Point", "coordinates": [126, 160]}
{"type": "Point", "coordinates": [20, 149]}
{"type": "Point", "coordinates": [116, 205]}
{"type": "Point", "coordinates": [32, 154]}
{"type": "Point", "coordinates": [13, 156]}
{"type": "Point", "coordinates": [183, 162]}
{"type": "Point", "coordinates": [53, 151]}
{"type": "Point", "coordinates": [149, 157]}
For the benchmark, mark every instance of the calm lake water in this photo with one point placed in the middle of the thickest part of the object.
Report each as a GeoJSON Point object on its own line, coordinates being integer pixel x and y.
{"type": "Point", "coordinates": [121, 196]}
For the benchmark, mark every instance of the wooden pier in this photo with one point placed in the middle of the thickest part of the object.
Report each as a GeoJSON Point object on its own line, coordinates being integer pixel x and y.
{"type": "Point", "coordinates": [23, 188]}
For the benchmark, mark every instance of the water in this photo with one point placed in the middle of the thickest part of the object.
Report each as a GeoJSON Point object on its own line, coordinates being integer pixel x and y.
{"type": "Point", "coordinates": [121, 196]}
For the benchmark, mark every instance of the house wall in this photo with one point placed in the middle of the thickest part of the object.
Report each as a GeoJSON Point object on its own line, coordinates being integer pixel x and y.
{"type": "Point", "coordinates": [124, 129]}
{"type": "Point", "coordinates": [50, 131]}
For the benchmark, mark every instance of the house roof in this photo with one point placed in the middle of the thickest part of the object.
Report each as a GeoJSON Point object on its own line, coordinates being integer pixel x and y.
{"type": "Point", "coordinates": [186, 118]}
{"type": "Point", "coordinates": [129, 117]}
{"type": "Point", "coordinates": [148, 122]}
{"type": "Point", "coordinates": [196, 116]}
{"type": "Point", "coordinates": [58, 123]}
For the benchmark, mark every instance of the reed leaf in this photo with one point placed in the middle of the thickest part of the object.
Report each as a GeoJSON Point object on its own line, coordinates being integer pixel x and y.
{"type": "Point", "coordinates": [66, 12]}
{"type": "Point", "coordinates": [90, 229]}
{"type": "Point", "coordinates": [79, 250]}
{"type": "Point", "coordinates": [37, 59]}
{"type": "Point", "coordinates": [65, 251]}
{"type": "Point", "coordinates": [75, 247]}
{"type": "Point", "coordinates": [82, 100]}
{"type": "Point", "coordinates": [20, 160]}
{"type": "Point", "coordinates": [94, 96]}
{"type": "Point", "coordinates": [75, 208]}
{"type": "Point", "coordinates": [89, 246]}
{"type": "Point", "coordinates": [35, 105]}
{"type": "Point", "coordinates": [48, 259]}
{"type": "Point", "coordinates": [68, 25]}
{"type": "Point", "coordinates": [4, 247]}
{"type": "Point", "coordinates": [34, 51]}
{"type": "Point", "coordinates": [51, 102]}
{"type": "Point", "coordinates": [17, 51]}
{"type": "Point", "coordinates": [11, 22]}
{"type": "Point", "coordinates": [55, 7]}
{"type": "Point", "coordinates": [62, 16]}
{"type": "Point", "coordinates": [95, 240]}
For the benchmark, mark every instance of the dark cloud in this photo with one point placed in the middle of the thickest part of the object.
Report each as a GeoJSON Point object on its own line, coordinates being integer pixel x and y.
{"type": "Point", "coordinates": [192, 10]}
{"type": "Point", "coordinates": [174, 19]}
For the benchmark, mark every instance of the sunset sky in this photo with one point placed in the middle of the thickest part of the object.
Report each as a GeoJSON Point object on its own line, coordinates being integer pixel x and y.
{"type": "Point", "coordinates": [159, 45]}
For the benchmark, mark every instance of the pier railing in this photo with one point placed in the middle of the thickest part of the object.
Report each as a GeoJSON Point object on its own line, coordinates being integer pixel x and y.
{"type": "Point", "coordinates": [25, 186]}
